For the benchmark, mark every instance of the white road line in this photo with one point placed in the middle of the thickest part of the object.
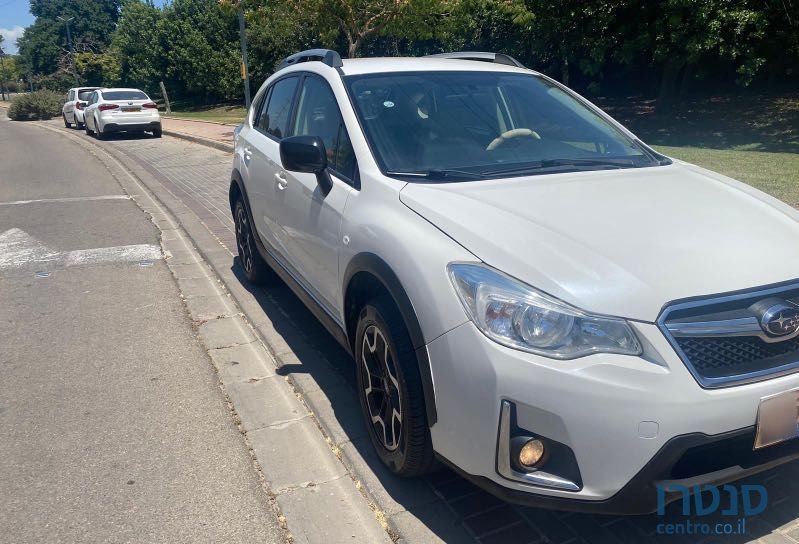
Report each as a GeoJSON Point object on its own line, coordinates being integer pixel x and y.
{"type": "Point", "coordinates": [68, 199]}
{"type": "Point", "coordinates": [117, 254]}
{"type": "Point", "coordinates": [18, 248]}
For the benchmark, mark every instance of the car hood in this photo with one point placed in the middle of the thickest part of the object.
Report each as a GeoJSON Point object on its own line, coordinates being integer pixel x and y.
{"type": "Point", "coordinates": [620, 242]}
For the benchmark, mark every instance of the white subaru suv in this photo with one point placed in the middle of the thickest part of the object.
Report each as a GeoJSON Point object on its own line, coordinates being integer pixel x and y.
{"type": "Point", "coordinates": [531, 294]}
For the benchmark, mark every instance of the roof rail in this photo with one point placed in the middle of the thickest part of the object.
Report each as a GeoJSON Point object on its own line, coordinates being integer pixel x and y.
{"type": "Point", "coordinates": [499, 58]}
{"type": "Point", "coordinates": [328, 56]}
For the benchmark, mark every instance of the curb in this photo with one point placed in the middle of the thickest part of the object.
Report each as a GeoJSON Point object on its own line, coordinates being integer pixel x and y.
{"type": "Point", "coordinates": [222, 146]}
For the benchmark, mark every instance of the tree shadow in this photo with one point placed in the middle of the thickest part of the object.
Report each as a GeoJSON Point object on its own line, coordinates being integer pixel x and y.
{"type": "Point", "coordinates": [305, 349]}
{"type": "Point", "coordinates": [742, 122]}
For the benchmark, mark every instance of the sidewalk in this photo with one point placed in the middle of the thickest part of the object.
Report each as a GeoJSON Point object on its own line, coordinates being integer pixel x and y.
{"type": "Point", "coordinates": [215, 134]}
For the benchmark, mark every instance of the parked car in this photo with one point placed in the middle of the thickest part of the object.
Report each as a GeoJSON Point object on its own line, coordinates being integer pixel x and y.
{"type": "Point", "coordinates": [121, 110]}
{"type": "Point", "coordinates": [72, 112]}
{"type": "Point", "coordinates": [531, 294]}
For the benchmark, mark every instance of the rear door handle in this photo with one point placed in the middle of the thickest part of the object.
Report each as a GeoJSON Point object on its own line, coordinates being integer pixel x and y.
{"type": "Point", "coordinates": [282, 182]}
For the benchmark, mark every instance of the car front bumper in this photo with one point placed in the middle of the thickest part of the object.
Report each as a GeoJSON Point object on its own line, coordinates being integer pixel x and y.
{"type": "Point", "coordinates": [629, 422]}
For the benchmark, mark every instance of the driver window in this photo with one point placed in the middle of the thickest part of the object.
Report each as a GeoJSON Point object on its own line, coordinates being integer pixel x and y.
{"type": "Point", "coordinates": [318, 115]}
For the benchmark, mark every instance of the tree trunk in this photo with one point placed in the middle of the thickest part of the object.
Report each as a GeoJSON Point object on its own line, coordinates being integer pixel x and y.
{"type": "Point", "coordinates": [686, 80]}
{"type": "Point", "coordinates": [668, 87]}
{"type": "Point", "coordinates": [354, 47]}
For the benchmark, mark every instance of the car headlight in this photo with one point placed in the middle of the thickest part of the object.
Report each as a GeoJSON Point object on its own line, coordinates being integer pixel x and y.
{"type": "Point", "coordinates": [518, 316]}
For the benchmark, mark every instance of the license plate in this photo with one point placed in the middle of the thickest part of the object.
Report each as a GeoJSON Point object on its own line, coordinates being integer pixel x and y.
{"type": "Point", "coordinates": [777, 419]}
{"type": "Point", "coordinates": [131, 108]}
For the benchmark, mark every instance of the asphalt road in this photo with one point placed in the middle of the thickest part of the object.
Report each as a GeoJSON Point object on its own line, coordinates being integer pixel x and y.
{"type": "Point", "coordinates": [113, 426]}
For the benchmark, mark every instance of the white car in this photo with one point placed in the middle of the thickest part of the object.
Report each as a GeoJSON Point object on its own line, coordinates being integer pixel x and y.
{"type": "Point", "coordinates": [74, 107]}
{"type": "Point", "coordinates": [531, 294]}
{"type": "Point", "coordinates": [121, 110]}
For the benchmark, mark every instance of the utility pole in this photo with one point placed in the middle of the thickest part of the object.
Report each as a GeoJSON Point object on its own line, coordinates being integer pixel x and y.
{"type": "Point", "coordinates": [245, 74]}
{"type": "Point", "coordinates": [3, 76]}
{"type": "Point", "coordinates": [71, 48]}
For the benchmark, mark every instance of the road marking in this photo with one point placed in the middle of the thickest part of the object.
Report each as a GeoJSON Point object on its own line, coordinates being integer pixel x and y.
{"type": "Point", "coordinates": [67, 199]}
{"type": "Point", "coordinates": [18, 248]}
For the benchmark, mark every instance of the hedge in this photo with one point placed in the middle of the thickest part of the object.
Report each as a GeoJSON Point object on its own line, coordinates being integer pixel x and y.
{"type": "Point", "coordinates": [37, 105]}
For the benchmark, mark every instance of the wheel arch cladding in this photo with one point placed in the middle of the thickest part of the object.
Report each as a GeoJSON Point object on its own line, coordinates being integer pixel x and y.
{"type": "Point", "coordinates": [368, 276]}
{"type": "Point", "coordinates": [236, 190]}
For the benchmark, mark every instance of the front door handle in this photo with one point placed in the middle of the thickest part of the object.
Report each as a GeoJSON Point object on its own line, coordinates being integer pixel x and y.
{"type": "Point", "coordinates": [282, 182]}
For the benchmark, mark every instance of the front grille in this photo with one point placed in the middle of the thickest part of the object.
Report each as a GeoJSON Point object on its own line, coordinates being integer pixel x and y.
{"type": "Point", "coordinates": [720, 338]}
{"type": "Point", "coordinates": [720, 357]}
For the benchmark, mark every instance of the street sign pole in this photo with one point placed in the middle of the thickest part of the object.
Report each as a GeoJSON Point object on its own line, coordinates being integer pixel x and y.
{"type": "Point", "coordinates": [245, 75]}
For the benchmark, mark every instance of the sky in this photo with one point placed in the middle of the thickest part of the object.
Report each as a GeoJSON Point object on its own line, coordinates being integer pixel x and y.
{"type": "Point", "coordinates": [14, 17]}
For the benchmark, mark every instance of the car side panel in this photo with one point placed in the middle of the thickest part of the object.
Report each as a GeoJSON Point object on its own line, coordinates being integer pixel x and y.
{"type": "Point", "coordinates": [417, 252]}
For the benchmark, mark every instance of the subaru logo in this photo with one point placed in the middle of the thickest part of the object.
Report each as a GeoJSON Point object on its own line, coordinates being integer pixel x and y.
{"type": "Point", "coordinates": [780, 318]}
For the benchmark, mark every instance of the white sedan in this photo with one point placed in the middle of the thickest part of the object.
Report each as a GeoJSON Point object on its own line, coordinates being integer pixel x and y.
{"type": "Point", "coordinates": [121, 110]}
{"type": "Point", "coordinates": [73, 108]}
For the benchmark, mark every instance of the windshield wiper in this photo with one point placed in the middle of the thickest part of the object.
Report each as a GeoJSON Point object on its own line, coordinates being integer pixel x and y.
{"type": "Point", "coordinates": [440, 174]}
{"type": "Point", "coordinates": [558, 164]}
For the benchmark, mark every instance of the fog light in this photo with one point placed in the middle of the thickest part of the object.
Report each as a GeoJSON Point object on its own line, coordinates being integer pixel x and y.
{"type": "Point", "coordinates": [531, 453]}
{"type": "Point", "coordinates": [528, 452]}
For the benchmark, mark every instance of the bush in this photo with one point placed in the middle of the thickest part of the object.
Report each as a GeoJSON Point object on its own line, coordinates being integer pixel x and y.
{"type": "Point", "coordinates": [38, 105]}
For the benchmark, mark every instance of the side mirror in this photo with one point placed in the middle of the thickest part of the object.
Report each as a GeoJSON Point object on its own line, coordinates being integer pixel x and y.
{"type": "Point", "coordinates": [306, 154]}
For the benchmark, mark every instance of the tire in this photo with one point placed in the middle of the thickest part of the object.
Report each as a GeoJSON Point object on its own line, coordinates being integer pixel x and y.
{"type": "Point", "coordinates": [255, 268]}
{"type": "Point", "coordinates": [384, 353]}
{"type": "Point", "coordinates": [157, 133]}
{"type": "Point", "coordinates": [66, 123]}
{"type": "Point", "coordinates": [86, 127]}
{"type": "Point", "coordinates": [98, 132]}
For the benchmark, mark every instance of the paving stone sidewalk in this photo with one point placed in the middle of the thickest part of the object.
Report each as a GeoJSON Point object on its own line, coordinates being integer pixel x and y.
{"type": "Point", "coordinates": [443, 507]}
{"type": "Point", "coordinates": [199, 131]}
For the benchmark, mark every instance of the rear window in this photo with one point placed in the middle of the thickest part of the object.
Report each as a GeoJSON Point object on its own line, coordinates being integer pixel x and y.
{"type": "Point", "coordinates": [124, 95]}
{"type": "Point", "coordinates": [84, 95]}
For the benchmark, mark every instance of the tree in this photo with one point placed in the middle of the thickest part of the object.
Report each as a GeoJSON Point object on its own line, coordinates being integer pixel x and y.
{"type": "Point", "coordinates": [44, 43]}
{"type": "Point", "coordinates": [689, 32]}
{"type": "Point", "coordinates": [136, 44]}
{"type": "Point", "coordinates": [191, 45]}
{"type": "Point", "coordinates": [99, 69]}
{"type": "Point", "coordinates": [354, 20]}
{"type": "Point", "coordinates": [3, 77]}
{"type": "Point", "coordinates": [487, 25]}
{"type": "Point", "coordinates": [202, 56]}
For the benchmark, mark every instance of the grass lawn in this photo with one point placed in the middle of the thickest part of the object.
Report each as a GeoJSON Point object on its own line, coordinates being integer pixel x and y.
{"type": "Point", "coordinates": [221, 114]}
{"type": "Point", "coordinates": [752, 138]}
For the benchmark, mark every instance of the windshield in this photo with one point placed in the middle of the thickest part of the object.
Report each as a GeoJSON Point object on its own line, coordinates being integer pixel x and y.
{"type": "Point", "coordinates": [474, 125]}
{"type": "Point", "coordinates": [124, 95]}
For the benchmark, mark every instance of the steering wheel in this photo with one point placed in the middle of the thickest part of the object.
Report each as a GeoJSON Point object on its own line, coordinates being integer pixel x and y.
{"type": "Point", "coordinates": [509, 134]}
